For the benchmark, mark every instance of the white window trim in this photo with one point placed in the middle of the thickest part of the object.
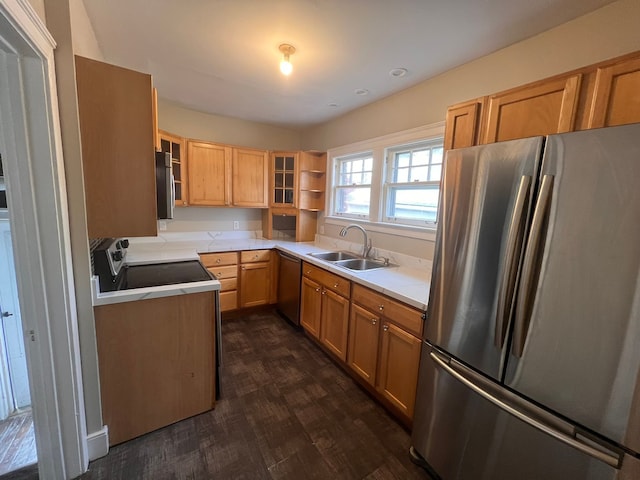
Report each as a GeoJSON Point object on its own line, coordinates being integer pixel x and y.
{"type": "Point", "coordinates": [378, 146]}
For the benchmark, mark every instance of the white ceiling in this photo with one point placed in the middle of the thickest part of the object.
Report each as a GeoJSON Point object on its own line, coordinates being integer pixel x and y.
{"type": "Point", "coordinates": [221, 56]}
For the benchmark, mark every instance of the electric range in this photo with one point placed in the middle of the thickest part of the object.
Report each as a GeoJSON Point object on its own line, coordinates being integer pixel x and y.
{"type": "Point", "coordinates": [114, 274]}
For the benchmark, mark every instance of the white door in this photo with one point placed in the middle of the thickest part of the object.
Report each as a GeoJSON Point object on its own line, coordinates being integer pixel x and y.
{"type": "Point", "coordinates": [11, 324]}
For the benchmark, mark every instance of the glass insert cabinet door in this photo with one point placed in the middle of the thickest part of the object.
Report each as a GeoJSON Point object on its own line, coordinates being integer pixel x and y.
{"type": "Point", "coordinates": [284, 165]}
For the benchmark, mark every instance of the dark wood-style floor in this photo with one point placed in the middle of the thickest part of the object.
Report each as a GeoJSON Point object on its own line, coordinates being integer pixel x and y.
{"type": "Point", "coordinates": [286, 412]}
{"type": "Point", "coordinates": [17, 442]}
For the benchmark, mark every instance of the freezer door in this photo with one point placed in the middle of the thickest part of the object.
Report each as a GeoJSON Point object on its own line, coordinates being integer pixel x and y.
{"type": "Point", "coordinates": [485, 202]}
{"type": "Point", "coordinates": [576, 347]}
{"type": "Point", "coordinates": [461, 435]}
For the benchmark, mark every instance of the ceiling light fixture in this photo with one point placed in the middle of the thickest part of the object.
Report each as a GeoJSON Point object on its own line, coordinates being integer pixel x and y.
{"type": "Point", "coordinates": [285, 64]}
{"type": "Point", "coordinates": [398, 72]}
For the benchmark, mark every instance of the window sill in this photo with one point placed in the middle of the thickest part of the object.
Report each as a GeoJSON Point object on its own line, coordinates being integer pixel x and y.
{"type": "Point", "coordinates": [410, 231]}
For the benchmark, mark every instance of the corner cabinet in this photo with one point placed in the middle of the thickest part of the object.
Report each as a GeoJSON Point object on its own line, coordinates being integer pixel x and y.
{"type": "Point", "coordinates": [175, 146]}
{"type": "Point", "coordinates": [297, 186]}
{"type": "Point", "coordinates": [115, 108]}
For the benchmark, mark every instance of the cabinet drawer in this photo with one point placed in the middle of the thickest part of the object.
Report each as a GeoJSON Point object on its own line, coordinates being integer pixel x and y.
{"type": "Point", "coordinates": [215, 259]}
{"type": "Point", "coordinates": [230, 271]}
{"type": "Point", "coordinates": [227, 284]}
{"type": "Point", "coordinates": [407, 317]}
{"type": "Point", "coordinates": [255, 256]}
{"type": "Point", "coordinates": [333, 282]}
{"type": "Point", "coordinates": [228, 300]}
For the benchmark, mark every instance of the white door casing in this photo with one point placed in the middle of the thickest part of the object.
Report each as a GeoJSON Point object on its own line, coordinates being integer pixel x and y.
{"type": "Point", "coordinates": [36, 190]}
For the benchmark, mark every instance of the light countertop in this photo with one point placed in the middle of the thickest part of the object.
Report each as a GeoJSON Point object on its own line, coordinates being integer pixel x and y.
{"type": "Point", "coordinates": [408, 281]}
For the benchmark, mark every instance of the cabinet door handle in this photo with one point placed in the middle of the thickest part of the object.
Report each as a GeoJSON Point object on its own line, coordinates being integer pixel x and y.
{"type": "Point", "coordinates": [374, 321]}
{"type": "Point", "coordinates": [318, 289]}
{"type": "Point", "coordinates": [381, 307]}
{"type": "Point", "coordinates": [335, 285]}
{"type": "Point", "coordinates": [385, 328]}
{"type": "Point", "coordinates": [324, 292]}
{"type": "Point", "coordinates": [218, 260]}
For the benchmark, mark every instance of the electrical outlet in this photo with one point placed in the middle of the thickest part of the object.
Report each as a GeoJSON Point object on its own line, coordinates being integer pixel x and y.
{"type": "Point", "coordinates": [162, 225]}
{"type": "Point", "coordinates": [236, 225]}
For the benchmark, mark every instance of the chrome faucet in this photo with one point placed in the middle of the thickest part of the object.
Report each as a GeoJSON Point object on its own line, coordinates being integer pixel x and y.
{"type": "Point", "coordinates": [366, 244]}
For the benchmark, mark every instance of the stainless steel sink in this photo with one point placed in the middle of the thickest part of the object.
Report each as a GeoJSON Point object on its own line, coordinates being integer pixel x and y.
{"type": "Point", "coordinates": [334, 256]}
{"type": "Point", "coordinates": [361, 264]}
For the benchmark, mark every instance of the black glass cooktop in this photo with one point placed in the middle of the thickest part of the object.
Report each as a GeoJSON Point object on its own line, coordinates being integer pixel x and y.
{"type": "Point", "coordinates": [156, 274]}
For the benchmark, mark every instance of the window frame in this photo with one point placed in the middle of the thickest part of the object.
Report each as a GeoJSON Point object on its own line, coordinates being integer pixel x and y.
{"type": "Point", "coordinates": [391, 187]}
{"type": "Point", "coordinates": [379, 147]}
{"type": "Point", "coordinates": [337, 187]}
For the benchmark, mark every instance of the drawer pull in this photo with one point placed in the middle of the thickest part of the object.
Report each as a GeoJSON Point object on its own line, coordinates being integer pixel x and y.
{"type": "Point", "coordinates": [374, 321]}
{"type": "Point", "coordinates": [318, 289]}
{"type": "Point", "coordinates": [385, 328]}
{"type": "Point", "coordinates": [381, 307]}
{"type": "Point", "coordinates": [218, 260]}
{"type": "Point", "coordinates": [324, 292]}
{"type": "Point", "coordinates": [335, 285]}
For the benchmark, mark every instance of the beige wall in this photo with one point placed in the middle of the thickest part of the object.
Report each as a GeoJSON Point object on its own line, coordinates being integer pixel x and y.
{"type": "Point", "coordinates": [85, 42]}
{"type": "Point", "coordinates": [608, 32]}
{"type": "Point", "coordinates": [38, 6]}
{"type": "Point", "coordinates": [216, 128]}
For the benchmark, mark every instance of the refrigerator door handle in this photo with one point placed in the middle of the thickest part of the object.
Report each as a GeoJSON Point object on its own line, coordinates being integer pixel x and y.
{"type": "Point", "coordinates": [525, 298]}
{"type": "Point", "coordinates": [609, 458]}
{"type": "Point", "coordinates": [510, 266]}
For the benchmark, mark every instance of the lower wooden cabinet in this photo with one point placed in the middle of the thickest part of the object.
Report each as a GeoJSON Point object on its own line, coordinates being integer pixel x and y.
{"type": "Point", "coordinates": [384, 346]}
{"type": "Point", "coordinates": [364, 335]}
{"type": "Point", "coordinates": [255, 278]}
{"type": "Point", "coordinates": [334, 323]}
{"type": "Point", "coordinates": [310, 306]}
{"type": "Point", "coordinates": [224, 266]}
{"type": "Point", "coordinates": [399, 362]}
{"type": "Point", "coordinates": [324, 311]}
{"type": "Point", "coordinates": [157, 362]}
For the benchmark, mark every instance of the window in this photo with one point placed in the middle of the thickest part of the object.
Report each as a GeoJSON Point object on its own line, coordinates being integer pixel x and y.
{"type": "Point", "coordinates": [352, 192]}
{"type": "Point", "coordinates": [412, 184]}
{"type": "Point", "coordinates": [389, 184]}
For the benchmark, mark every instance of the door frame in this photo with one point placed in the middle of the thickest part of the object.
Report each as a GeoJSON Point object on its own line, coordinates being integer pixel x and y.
{"type": "Point", "coordinates": [36, 192]}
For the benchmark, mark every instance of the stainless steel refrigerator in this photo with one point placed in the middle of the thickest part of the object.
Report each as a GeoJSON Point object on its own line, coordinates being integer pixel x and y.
{"type": "Point", "coordinates": [530, 365]}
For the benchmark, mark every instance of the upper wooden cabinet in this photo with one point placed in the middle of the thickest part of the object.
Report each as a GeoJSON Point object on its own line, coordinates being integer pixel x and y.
{"type": "Point", "coordinates": [115, 107]}
{"type": "Point", "coordinates": [175, 145]}
{"type": "Point", "coordinates": [250, 173]}
{"type": "Point", "coordinates": [536, 109]}
{"type": "Point", "coordinates": [312, 180]}
{"type": "Point", "coordinates": [222, 176]}
{"type": "Point", "coordinates": [462, 124]}
{"type": "Point", "coordinates": [297, 186]}
{"type": "Point", "coordinates": [209, 173]}
{"type": "Point", "coordinates": [600, 95]}
{"type": "Point", "coordinates": [284, 179]}
{"type": "Point", "coordinates": [617, 95]}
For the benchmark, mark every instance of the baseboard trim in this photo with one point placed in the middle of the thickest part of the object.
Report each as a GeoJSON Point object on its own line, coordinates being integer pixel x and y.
{"type": "Point", "coordinates": [98, 443]}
